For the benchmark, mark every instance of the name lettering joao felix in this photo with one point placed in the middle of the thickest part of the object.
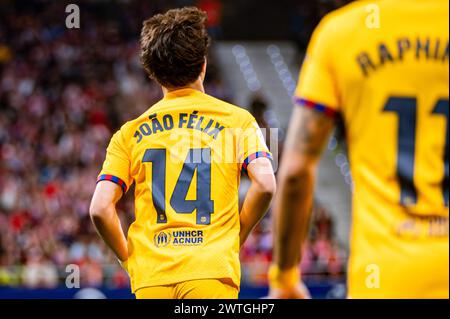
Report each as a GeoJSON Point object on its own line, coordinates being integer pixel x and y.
{"type": "Point", "coordinates": [179, 238]}
{"type": "Point", "coordinates": [184, 121]}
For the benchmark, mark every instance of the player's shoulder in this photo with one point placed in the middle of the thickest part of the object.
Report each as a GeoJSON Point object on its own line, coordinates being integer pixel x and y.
{"type": "Point", "coordinates": [238, 114]}
{"type": "Point", "coordinates": [354, 9]}
{"type": "Point", "coordinates": [350, 17]}
{"type": "Point", "coordinates": [221, 103]}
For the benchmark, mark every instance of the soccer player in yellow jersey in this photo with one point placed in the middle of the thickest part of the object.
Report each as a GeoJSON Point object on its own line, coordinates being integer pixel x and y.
{"type": "Point", "coordinates": [185, 155]}
{"type": "Point", "coordinates": [383, 67]}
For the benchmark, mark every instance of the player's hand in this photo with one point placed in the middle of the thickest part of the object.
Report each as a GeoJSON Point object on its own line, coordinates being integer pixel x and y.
{"type": "Point", "coordinates": [286, 284]}
{"type": "Point", "coordinates": [300, 291]}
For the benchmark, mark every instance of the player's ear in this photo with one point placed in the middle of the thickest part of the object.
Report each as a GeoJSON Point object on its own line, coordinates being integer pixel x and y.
{"type": "Point", "coordinates": [203, 73]}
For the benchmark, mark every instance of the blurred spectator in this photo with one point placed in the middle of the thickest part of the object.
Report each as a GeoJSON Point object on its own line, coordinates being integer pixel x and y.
{"type": "Point", "coordinates": [269, 124]}
{"type": "Point", "coordinates": [39, 272]}
{"type": "Point", "coordinates": [258, 107]}
{"type": "Point", "coordinates": [213, 9]}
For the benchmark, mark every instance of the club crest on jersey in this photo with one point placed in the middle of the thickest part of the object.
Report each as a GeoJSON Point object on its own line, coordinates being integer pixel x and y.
{"type": "Point", "coordinates": [162, 239]}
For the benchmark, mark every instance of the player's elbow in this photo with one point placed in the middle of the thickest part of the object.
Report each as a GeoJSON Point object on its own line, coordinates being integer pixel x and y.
{"type": "Point", "coordinates": [267, 185]}
{"type": "Point", "coordinates": [270, 187]}
{"type": "Point", "coordinates": [98, 209]}
{"type": "Point", "coordinates": [104, 200]}
{"type": "Point", "coordinates": [295, 177]}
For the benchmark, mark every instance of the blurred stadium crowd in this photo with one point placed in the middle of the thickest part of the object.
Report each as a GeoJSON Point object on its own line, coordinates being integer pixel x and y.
{"type": "Point", "coordinates": [62, 95]}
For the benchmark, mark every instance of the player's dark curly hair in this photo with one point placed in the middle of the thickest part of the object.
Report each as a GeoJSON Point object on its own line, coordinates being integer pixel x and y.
{"type": "Point", "coordinates": [174, 46]}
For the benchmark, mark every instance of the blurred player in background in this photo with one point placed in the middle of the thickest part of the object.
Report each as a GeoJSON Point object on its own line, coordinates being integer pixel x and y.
{"type": "Point", "coordinates": [383, 67]}
{"type": "Point", "coordinates": [185, 240]}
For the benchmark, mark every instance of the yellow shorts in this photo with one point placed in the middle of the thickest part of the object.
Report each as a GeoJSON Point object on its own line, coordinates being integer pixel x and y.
{"type": "Point", "coordinates": [192, 289]}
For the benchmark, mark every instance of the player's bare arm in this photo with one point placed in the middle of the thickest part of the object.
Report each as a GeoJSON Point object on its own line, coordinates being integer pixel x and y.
{"type": "Point", "coordinates": [259, 195]}
{"type": "Point", "coordinates": [309, 132]}
{"type": "Point", "coordinates": [104, 216]}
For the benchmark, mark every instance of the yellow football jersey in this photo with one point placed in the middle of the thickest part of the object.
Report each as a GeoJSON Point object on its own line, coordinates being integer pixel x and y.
{"type": "Point", "coordinates": [185, 156]}
{"type": "Point", "coordinates": [383, 67]}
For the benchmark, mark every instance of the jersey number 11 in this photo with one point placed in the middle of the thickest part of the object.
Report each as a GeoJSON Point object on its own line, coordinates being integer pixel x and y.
{"type": "Point", "coordinates": [406, 109]}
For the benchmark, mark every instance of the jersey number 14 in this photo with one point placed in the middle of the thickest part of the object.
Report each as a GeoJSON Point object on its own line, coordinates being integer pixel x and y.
{"type": "Point", "coordinates": [202, 165]}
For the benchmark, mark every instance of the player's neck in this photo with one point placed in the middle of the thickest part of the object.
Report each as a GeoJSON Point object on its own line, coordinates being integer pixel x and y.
{"type": "Point", "coordinates": [197, 85]}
